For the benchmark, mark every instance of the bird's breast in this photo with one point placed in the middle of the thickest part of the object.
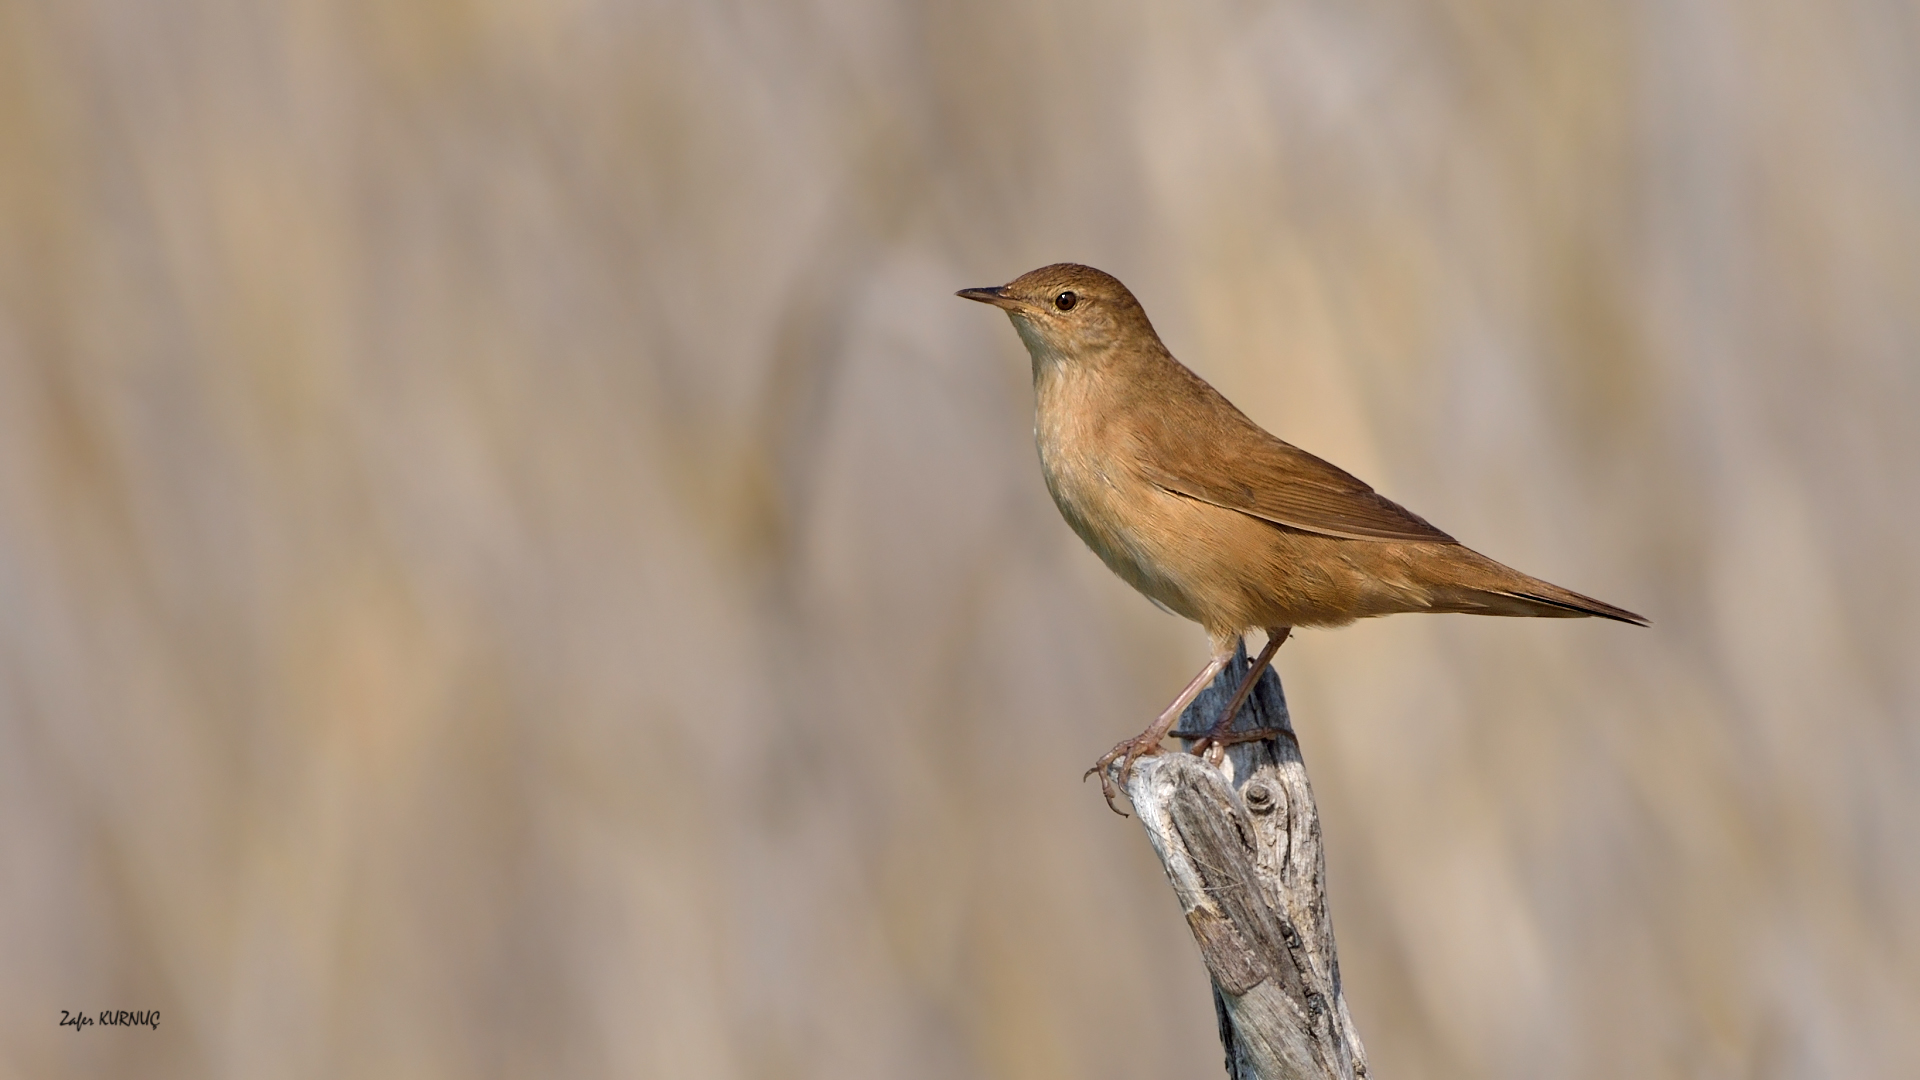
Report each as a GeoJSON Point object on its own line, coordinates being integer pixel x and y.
{"type": "Point", "coordinates": [1083, 457]}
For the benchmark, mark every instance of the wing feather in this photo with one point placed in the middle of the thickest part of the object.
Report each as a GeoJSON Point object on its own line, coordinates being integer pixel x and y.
{"type": "Point", "coordinates": [1255, 473]}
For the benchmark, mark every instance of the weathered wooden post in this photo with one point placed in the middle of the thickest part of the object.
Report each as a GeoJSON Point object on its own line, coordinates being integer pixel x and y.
{"type": "Point", "coordinates": [1241, 846]}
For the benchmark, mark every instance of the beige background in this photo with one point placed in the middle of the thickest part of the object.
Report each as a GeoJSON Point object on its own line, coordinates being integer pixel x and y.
{"type": "Point", "coordinates": [514, 563]}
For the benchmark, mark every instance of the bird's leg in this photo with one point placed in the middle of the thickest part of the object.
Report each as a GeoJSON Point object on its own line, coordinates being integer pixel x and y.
{"type": "Point", "coordinates": [1218, 738]}
{"type": "Point", "coordinates": [1148, 741]}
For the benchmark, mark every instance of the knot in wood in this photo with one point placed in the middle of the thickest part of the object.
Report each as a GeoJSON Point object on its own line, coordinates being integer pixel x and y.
{"type": "Point", "coordinates": [1259, 797]}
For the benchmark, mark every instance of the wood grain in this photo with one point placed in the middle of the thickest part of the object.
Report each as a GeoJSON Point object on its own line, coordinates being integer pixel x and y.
{"type": "Point", "coordinates": [1241, 845]}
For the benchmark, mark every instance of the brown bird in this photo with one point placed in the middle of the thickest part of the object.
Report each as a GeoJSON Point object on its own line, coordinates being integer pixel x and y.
{"type": "Point", "coordinates": [1210, 516]}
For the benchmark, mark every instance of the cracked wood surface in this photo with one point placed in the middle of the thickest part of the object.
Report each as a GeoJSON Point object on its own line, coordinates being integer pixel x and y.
{"type": "Point", "coordinates": [1241, 847]}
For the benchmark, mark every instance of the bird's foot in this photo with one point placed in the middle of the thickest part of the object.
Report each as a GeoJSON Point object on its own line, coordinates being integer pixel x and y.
{"type": "Point", "coordinates": [1214, 744]}
{"type": "Point", "coordinates": [1142, 745]}
{"type": "Point", "coordinates": [1148, 741]}
{"type": "Point", "coordinates": [1217, 739]}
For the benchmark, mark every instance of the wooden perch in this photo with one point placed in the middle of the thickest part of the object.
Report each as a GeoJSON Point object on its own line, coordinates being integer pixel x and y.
{"type": "Point", "coordinates": [1241, 846]}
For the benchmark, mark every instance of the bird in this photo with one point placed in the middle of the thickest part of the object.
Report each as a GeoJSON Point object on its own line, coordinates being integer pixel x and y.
{"type": "Point", "coordinates": [1215, 519]}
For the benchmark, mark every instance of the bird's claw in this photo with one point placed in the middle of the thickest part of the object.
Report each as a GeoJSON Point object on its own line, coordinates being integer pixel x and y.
{"type": "Point", "coordinates": [1213, 745]}
{"type": "Point", "coordinates": [1126, 753]}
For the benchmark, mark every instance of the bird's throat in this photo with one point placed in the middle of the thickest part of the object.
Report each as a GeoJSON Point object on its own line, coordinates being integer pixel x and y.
{"type": "Point", "coordinates": [1045, 354]}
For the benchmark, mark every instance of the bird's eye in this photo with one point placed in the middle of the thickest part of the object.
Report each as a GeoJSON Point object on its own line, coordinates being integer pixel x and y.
{"type": "Point", "coordinates": [1065, 301]}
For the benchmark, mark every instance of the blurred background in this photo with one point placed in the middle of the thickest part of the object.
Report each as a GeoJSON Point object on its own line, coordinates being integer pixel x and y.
{"type": "Point", "coordinates": [513, 561]}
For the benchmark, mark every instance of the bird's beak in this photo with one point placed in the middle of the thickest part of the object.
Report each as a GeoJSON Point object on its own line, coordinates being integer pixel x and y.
{"type": "Point", "coordinates": [997, 296]}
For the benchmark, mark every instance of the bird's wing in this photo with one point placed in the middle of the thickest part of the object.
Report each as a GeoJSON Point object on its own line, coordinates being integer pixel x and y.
{"type": "Point", "coordinates": [1248, 470]}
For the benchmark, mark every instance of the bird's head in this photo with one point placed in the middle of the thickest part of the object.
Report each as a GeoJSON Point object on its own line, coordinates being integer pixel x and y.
{"type": "Point", "coordinates": [1068, 312]}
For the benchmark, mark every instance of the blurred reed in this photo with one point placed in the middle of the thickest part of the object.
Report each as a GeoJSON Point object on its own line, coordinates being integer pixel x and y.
{"type": "Point", "coordinates": [513, 562]}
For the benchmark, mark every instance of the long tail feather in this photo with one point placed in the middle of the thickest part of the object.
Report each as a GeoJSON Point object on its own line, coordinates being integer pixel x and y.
{"type": "Point", "coordinates": [1570, 601]}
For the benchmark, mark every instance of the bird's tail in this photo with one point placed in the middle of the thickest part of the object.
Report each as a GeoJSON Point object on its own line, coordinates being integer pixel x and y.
{"type": "Point", "coordinates": [1567, 603]}
{"type": "Point", "coordinates": [1503, 590]}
